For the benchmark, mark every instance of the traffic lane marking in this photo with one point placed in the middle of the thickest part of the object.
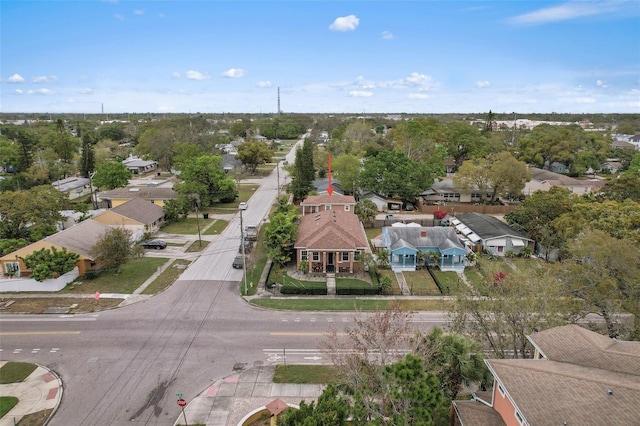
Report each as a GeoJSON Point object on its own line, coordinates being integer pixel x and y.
{"type": "Point", "coordinates": [36, 333]}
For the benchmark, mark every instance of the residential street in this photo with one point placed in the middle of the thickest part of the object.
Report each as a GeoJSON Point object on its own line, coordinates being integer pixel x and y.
{"type": "Point", "coordinates": [125, 366]}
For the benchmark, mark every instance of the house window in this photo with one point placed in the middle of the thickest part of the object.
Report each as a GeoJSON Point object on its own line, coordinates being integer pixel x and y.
{"type": "Point", "coordinates": [347, 207]}
{"type": "Point", "coordinates": [12, 269]}
{"type": "Point", "coordinates": [501, 389]}
{"type": "Point", "coordinates": [327, 206]}
{"type": "Point", "coordinates": [500, 249]}
{"type": "Point", "coordinates": [304, 255]}
{"type": "Point", "coordinates": [345, 256]}
{"type": "Point", "coordinates": [519, 417]}
{"type": "Point", "coordinates": [313, 209]}
{"type": "Point", "coordinates": [357, 256]}
{"type": "Point", "coordinates": [316, 256]}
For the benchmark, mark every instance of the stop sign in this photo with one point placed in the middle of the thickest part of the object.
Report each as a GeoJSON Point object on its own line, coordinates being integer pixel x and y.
{"type": "Point", "coordinates": [182, 402]}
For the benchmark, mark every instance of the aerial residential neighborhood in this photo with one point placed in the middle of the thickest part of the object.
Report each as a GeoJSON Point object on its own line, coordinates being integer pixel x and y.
{"type": "Point", "coordinates": [319, 213]}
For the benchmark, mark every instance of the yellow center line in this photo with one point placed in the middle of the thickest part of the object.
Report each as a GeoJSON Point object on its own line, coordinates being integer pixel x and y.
{"type": "Point", "coordinates": [35, 333]}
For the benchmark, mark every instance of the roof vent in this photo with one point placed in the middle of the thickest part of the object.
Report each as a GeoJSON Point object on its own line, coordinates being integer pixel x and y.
{"type": "Point", "coordinates": [423, 233]}
{"type": "Point", "coordinates": [609, 392]}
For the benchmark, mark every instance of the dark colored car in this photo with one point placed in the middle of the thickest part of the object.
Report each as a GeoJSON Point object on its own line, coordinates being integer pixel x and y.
{"type": "Point", "coordinates": [238, 262]}
{"type": "Point", "coordinates": [154, 244]}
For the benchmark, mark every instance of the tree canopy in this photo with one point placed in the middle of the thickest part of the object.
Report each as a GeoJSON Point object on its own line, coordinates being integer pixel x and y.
{"type": "Point", "coordinates": [253, 154]}
{"type": "Point", "coordinates": [393, 174]}
{"type": "Point", "coordinates": [115, 248]}
{"type": "Point", "coordinates": [30, 214]}
{"type": "Point", "coordinates": [203, 175]}
{"type": "Point", "coordinates": [111, 175]}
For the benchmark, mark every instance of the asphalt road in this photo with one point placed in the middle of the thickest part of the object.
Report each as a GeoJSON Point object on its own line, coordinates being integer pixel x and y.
{"type": "Point", "coordinates": [125, 366]}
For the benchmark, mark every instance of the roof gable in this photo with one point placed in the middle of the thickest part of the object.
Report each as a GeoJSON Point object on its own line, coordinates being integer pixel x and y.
{"type": "Point", "coordinates": [331, 229]}
{"type": "Point", "coordinates": [140, 210]}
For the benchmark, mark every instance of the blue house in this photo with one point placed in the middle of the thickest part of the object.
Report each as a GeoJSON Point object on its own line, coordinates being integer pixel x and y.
{"type": "Point", "coordinates": [404, 242]}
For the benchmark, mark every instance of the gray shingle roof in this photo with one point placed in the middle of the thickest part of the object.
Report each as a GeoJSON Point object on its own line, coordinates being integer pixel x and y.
{"type": "Point", "coordinates": [80, 238]}
{"type": "Point", "coordinates": [140, 210]}
{"type": "Point", "coordinates": [146, 192]}
{"type": "Point", "coordinates": [586, 379]}
{"type": "Point", "coordinates": [486, 226]}
{"type": "Point", "coordinates": [439, 236]}
{"type": "Point", "coordinates": [474, 413]}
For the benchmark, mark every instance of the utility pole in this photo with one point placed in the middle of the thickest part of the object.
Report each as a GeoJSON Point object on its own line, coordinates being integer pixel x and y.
{"type": "Point", "coordinates": [244, 258]}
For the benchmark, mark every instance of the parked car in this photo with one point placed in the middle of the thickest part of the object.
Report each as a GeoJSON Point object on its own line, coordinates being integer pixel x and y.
{"type": "Point", "coordinates": [154, 244]}
{"type": "Point", "coordinates": [238, 262]}
{"type": "Point", "coordinates": [242, 206]}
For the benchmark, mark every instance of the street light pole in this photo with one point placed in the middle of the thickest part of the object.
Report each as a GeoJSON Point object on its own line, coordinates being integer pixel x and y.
{"type": "Point", "coordinates": [244, 258]}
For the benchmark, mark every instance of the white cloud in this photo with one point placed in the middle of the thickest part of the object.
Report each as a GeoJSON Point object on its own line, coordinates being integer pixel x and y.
{"type": "Point", "coordinates": [417, 79]}
{"type": "Point", "coordinates": [16, 78]}
{"type": "Point", "coordinates": [345, 23]}
{"type": "Point", "coordinates": [45, 79]}
{"type": "Point", "coordinates": [602, 84]}
{"type": "Point", "coordinates": [195, 75]}
{"type": "Point", "coordinates": [568, 11]}
{"type": "Point", "coordinates": [387, 35]}
{"type": "Point", "coordinates": [234, 73]}
{"type": "Point", "coordinates": [138, 12]}
{"type": "Point", "coordinates": [263, 83]}
{"type": "Point", "coordinates": [482, 84]}
{"type": "Point", "coordinates": [360, 94]}
{"type": "Point", "coordinates": [175, 74]}
{"type": "Point", "coordinates": [85, 91]}
{"type": "Point", "coordinates": [18, 92]}
{"type": "Point", "coordinates": [418, 96]}
{"type": "Point", "coordinates": [40, 92]}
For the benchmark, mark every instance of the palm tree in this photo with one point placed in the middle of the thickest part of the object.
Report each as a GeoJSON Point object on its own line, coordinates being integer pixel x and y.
{"type": "Point", "coordinates": [456, 360]}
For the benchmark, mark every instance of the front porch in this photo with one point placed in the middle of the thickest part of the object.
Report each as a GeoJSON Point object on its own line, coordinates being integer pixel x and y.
{"type": "Point", "coordinates": [340, 263]}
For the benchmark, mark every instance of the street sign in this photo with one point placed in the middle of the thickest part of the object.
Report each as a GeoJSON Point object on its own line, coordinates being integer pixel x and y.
{"type": "Point", "coordinates": [182, 402]}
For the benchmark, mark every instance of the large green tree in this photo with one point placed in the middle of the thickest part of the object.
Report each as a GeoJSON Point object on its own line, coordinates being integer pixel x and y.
{"type": "Point", "coordinates": [204, 176]}
{"type": "Point", "coordinates": [412, 395]}
{"type": "Point", "coordinates": [548, 143]}
{"type": "Point", "coordinates": [421, 139]}
{"type": "Point", "coordinates": [31, 214]}
{"type": "Point", "coordinates": [603, 272]}
{"type": "Point", "coordinates": [499, 174]}
{"type": "Point", "coordinates": [456, 360]}
{"type": "Point", "coordinates": [115, 248]}
{"type": "Point", "coordinates": [281, 232]}
{"type": "Point", "coordinates": [346, 169]}
{"type": "Point", "coordinates": [537, 212]}
{"type": "Point", "coordinates": [622, 187]}
{"type": "Point", "coordinates": [111, 175]}
{"type": "Point", "coordinates": [253, 154]}
{"type": "Point", "coordinates": [366, 210]}
{"type": "Point", "coordinates": [392, 173]}
{"type": "Point", "coordinates": [302, 172]}
{"type": "Point", "coordinates": [463, 141]}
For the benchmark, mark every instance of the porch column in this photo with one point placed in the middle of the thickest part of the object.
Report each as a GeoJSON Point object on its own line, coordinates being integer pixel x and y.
{"type": "Point", "coordinates": [353, 256]}
{"type": "Point", "coordinates": [324, 262]}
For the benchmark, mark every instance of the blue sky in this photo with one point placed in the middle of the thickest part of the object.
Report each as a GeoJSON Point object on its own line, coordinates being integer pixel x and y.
{"type": "Point", "coordinates": [325, 56]}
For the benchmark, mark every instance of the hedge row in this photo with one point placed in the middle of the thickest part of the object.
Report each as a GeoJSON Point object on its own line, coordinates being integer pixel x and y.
{"type": "Point", "coordinates": [310, 291]}
{"type": "Point", "coordinates": [351, 291]}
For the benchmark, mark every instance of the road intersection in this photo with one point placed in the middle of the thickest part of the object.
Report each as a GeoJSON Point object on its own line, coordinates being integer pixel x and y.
{"type": "Point", "coordinates": [125, 366]}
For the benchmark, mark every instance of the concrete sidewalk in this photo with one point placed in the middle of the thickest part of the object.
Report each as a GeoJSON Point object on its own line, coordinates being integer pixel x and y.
{"type": "Point", "coordinates": [42, 390]}
{"type": "Point", "coordinates": [227, 401]}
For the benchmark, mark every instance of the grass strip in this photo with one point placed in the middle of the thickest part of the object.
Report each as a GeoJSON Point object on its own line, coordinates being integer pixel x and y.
{"type": "Point", "coordinates": [304, 374]}
{"type": "Point", "coordinates": [15, 372]}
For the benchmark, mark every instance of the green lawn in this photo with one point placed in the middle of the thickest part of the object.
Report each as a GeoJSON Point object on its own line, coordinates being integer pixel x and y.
{"type": "Point", "coordinates": [167, 277]}
{"type": "Point", "coordinates": [450, 280]}
{"type": "Point", "coordinates": [395, 287]}
{"type": "Point", "coordinates": [15, 372]}
{"type": "Point", "coordinates": [187, 226]}
{"type": "Point", "coordinates": [352, 283]}
{"type": "Point", "coordinates": [304, 374]}
{"type": "Point", "coordinates": [6, 404]}
{"type": "Point", "coordinates": [218, 226]}
{"type": "Point", "coordinates": [372, 232]}
{"type": "Point", "coordinates": [131, 276]}
{"type": "Point", "coordinates": [198, 245]}
{"type": "Point", "coordinates": [351, 304]}
{"type": "Point", "coordinates": [421, 283]}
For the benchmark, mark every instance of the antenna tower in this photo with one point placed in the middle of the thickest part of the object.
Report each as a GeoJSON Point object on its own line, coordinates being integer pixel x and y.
{"type": "Point", "coordinates": [279, 110]}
